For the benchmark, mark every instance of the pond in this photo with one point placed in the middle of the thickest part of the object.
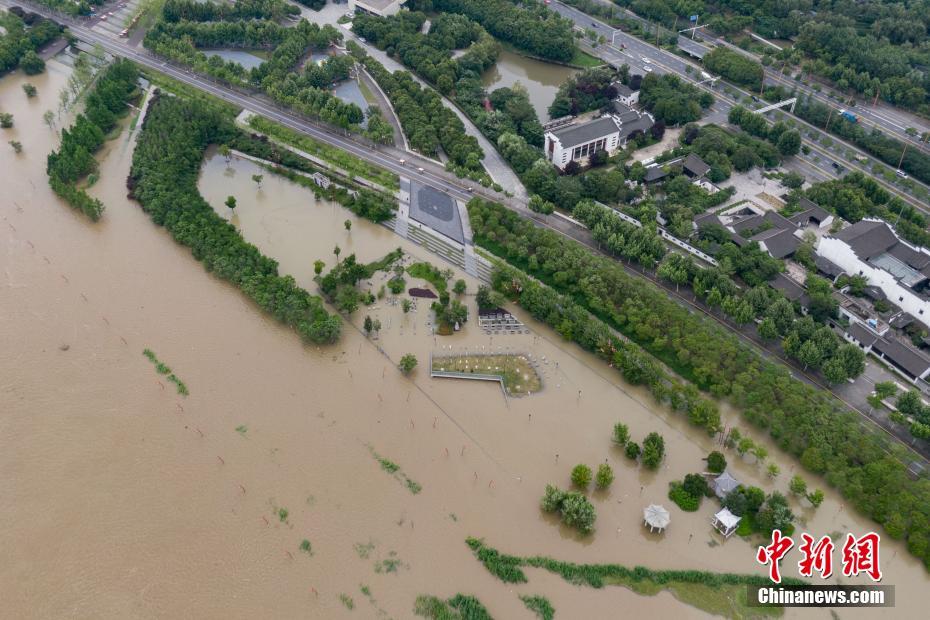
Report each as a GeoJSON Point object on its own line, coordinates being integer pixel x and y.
{"type": "Point", "coordinates": [541, 79]}
{"type": "Point", "coordinates": [248, 59]}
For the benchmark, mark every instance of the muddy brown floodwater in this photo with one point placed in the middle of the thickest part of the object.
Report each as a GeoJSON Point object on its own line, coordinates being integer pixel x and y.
{"type": "Point", "coordinates": [121, 499]}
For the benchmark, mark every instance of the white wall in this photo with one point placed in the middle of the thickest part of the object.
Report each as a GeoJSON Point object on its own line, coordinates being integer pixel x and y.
{"type": "Point", "coordinates": [837, 251]}
{"type": "Point", "coordinates": [561, 157]}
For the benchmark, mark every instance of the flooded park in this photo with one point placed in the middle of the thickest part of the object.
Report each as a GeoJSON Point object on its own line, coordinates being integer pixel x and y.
{"type": "Point", "coordinates": [124, 499]}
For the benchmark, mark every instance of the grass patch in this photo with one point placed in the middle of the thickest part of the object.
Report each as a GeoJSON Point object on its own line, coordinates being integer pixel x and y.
{"type": "Point", "coordinates": [364, 549]}
{"type": "Point", "coordinates": [335, 156]}
{"type": "Point", "coordinates": [367, 94]}
{"type": "Point", "coordinates": [347, 601]}
{"type": "Point", "coordinates": [540, 606]}
{"type": "Point", "coordinates": [716, 593]}
{"type": "Point", "coordinates": [431, 274]}
{"type": "Point", "coordinates": [396, 472]}
{"type": "Point", "coordinates": [459, 607]}
{"type": "Point", "coordinates": [585, 60]}
{"type": "Point", "coordinates": [164, 369]}
{"type": "Point", "coordinates": [242, 429]}
{"type": "Point", "coordinates": [306, 547]}
{"type": "Point", "coordinates": [390, 564]}
{"type": "Point", "coordinates": [516, 372]}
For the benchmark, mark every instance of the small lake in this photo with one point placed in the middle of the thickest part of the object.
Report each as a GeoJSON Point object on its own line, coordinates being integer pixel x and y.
{"type": "Point", "coordinates": [541, 79]}
{"type": "Point", "coordinates": [249, 60]}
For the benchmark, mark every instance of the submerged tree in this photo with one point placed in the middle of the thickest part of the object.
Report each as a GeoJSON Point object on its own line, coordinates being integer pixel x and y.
{"type": "Point", "coordinates": [407, 363]}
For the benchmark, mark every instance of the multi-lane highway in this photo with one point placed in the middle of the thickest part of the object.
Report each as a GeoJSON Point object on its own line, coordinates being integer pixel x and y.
{"type": "Point", "coordinates": [623, 48]}
{"type": "Point", "coordinates": [889, 119]}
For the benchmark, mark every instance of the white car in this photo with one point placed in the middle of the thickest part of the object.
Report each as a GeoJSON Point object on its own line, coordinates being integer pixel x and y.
{"type": "Point", "coordinates": [420, 170]}
{"type": "Point", "coordinates": [901, 173]}
{"type": "Point", "coordinates": [103, 18]}
{"type": "Point", "coordinates": [647, 69]}
{"type": "Point", "coordinates": [646, 60]}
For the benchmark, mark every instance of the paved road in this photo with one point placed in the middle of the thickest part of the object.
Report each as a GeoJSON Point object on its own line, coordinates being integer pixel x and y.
{"type": "Point", "coordinates": [388, 158]}
{"type": "Point", "coordinates": [636, 54]}
{"type": "Point", "coordinates": [890, 119]}
{"type": "Point", "coordinates": [498, 169]}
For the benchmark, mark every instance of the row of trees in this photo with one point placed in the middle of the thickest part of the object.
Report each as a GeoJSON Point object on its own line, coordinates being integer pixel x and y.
{"type": "Point", "coordinates": [806, 422]}
{"type": "Point", "coordinates": [871, 46]}
{"type": "Point", "coordinates": [74, 159]}
{"type": "Point", "coordinates": [427, 123]}
{"type": "Point", "coordinates": [19, 44]}
{"type": "Point", "coordinates": [430, 57]}
{"type": "Point", "coordinates": [911, 404]}
{"type": "Point", "coordinates": [878, 144]}
{"type": "Point", "coordinates": [566, 308]}
{"type": "Point", "coordinates": [163, 178]}
{"type": "Point", "coordinates": [529, 27]}
{"type": "Point", "coordinates": [785, 139]}
{"type": "Point", "coordinates": [191, 10]}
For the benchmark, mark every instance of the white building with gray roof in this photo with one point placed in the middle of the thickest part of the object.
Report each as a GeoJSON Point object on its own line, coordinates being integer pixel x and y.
{"type": "Point", "coordinates": [577, 142]}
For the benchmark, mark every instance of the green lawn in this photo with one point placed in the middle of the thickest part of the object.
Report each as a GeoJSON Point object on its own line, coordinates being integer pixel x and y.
{"type": "Point", "coordinates": [583, 59]}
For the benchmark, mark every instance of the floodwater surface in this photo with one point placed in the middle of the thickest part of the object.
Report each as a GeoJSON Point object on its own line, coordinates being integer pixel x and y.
{"type": "Point", "coordinates": [122, 499]}
{"type": "Point", "coordinates": [541, 79]}
{"type": "Point", "coordinates": [247, 59]}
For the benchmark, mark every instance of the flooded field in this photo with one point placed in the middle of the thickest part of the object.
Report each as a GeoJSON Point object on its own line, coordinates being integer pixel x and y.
{"type": "Point", "coordinates": [123, 499]}
{"type": "Point", "coordinates": [541, 79]}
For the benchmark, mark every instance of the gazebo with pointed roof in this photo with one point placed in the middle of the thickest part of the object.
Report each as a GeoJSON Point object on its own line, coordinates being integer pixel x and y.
{"type": "Point", "coordinates": [724, 483]}
{"type": "Point", "coordinates": [656, 518]}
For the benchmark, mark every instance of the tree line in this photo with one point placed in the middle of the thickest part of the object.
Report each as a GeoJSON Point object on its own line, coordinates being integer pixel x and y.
{"type": "Point", "coordinates": [19, 44]}
{"type": "Point", "coordinates": [529, 27]}
{"type": "Point", "coordinates": [429, 56]}
{"type": "Point", "coordinates": [305, 91]}
{"type": "Point", "coordinates": [871, 46]}
{"type": "Point", "coordinates": [812, 343]}
{"type": "Point", "coordinates": [804, 421]}
{"type": "Point", "coordinates": [566, 312]}
{"type": "Point", "coordinates": [163, 178]}
{"type": "Point", "coordinates": [427, 123]}
{"type": "Point", "coordinates": [880, 145]}
{"type": "Point", "coordinates": [74, 158]}
{"type": "Point", "coordinates": [190, 10]}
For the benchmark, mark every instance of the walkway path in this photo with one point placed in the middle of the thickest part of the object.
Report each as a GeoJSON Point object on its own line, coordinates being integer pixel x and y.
{"type": "Point", "coordinates": [493, 162]}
